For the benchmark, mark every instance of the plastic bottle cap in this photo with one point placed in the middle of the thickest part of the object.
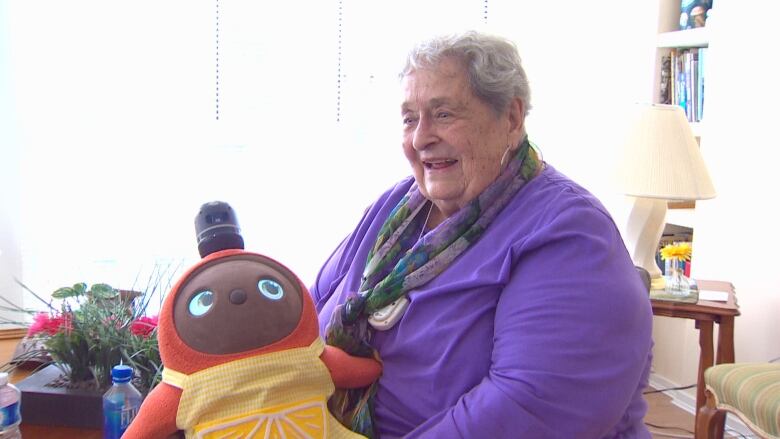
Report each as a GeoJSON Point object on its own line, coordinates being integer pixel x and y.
{"type": "Point", "coordinates": [121, 373]}
{"type": "Point", "coordinates": [3, 378]}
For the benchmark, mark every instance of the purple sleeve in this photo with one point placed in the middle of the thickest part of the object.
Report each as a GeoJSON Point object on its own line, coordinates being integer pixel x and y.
{"type": "Point", "coordinates": [355, 245]}
{"type": "Point", "coordinates": [572, 340]}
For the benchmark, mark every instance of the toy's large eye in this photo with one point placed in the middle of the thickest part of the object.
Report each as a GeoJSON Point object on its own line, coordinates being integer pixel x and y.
{"type": "Point", "coordinates": [201, 303]}
{"type": "Point", "coordinates": [270, 289]}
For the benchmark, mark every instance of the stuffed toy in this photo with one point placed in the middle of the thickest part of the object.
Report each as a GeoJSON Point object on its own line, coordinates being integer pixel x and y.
{"type": "Point", "coordinates": [243, 358]}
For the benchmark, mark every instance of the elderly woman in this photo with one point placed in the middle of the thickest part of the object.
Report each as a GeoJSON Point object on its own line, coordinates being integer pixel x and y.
{"type": "Point", "coordinates": [497, 292]}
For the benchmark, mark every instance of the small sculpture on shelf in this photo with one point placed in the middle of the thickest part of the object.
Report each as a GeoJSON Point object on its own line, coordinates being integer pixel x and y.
{"type": "Point", "coordinates": [694, 13]}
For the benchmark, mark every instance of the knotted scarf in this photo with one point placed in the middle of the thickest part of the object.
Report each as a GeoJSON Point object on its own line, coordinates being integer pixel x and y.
{"type": "Point", "coordinates": [401, 259]}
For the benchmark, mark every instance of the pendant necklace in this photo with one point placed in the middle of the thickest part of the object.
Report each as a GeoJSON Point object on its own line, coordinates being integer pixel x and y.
{"type": "Point", "coordinates": [425, 224]}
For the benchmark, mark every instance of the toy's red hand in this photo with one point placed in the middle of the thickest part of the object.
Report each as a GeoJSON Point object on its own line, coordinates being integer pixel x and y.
{"type": "Point", "coordinates": [157, 417]}
{"type": "Point", "coordinates": [348, 371]}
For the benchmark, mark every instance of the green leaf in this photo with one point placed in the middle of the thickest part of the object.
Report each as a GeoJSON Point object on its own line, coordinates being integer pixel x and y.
{"type": "Point", "coordinates": [64, 293]}
{"type": "Point", "coordinates": [80, 288]}
{"type": "Point", "coordinates": [102, 291]}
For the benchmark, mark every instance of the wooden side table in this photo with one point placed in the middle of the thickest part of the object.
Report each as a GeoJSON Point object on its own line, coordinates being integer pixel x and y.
{"type": "Point", "coordinates": [706, 313]}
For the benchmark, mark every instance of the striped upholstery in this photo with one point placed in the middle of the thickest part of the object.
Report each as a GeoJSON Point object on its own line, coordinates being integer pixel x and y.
{"type": "Point", "coordinates": [750, 390]}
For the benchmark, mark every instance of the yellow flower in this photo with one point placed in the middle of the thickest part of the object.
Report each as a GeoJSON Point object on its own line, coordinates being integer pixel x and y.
{"type": "Point", "coordinates": [678, 251]}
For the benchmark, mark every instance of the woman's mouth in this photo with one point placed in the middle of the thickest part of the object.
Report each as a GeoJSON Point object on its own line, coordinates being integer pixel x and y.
{"type": "Point", "coordinates": [438, 164]}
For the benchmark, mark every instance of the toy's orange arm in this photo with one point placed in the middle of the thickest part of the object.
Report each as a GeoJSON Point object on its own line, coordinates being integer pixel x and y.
{"type": "Point", "coordinates": [350, 372]}
{"type": "Point", "coordinates": [157, 417]}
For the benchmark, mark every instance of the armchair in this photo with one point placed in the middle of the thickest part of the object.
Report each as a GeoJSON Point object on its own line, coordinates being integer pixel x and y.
{"type": "Point", "coordinates": [749, 390]}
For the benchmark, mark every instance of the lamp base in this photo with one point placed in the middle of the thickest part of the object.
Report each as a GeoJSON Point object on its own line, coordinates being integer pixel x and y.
{"type": "Point", "coordinates": [645, 225]}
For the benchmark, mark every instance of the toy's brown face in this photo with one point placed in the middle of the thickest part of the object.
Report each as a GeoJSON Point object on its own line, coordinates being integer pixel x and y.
{"type": "Point", "coordinates": [236, 304]}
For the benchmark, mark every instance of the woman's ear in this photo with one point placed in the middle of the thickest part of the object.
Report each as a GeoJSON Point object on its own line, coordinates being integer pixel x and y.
{"type": "Point", "coordinates": [516, 115]}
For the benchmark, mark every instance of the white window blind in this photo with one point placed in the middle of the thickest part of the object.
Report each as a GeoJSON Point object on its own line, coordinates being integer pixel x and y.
{"type": "Point", "coordinates": [118, 140]}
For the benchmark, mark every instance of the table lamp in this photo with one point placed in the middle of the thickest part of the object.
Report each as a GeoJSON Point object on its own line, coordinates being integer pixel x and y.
{"type": "Point", "coordinates": [661, 163]}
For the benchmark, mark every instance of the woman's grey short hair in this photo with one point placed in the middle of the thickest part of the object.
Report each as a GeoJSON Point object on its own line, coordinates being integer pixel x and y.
{"type": "Point", "coordinates": [493, 65]}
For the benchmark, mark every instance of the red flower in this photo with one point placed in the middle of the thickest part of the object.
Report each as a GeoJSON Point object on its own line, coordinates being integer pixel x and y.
{"type": "Point", "coordinates": [40, 321]}
{"type": "Point", "coordinates": [143, 326]}
{"type": "Point", "coordinates": [51, 325]}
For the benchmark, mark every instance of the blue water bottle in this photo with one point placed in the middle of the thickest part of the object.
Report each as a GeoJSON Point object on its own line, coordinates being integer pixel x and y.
{"type": "Point", "coordinates": [120, 403]}
{"type": "Point", "coordinates": [10, 417]}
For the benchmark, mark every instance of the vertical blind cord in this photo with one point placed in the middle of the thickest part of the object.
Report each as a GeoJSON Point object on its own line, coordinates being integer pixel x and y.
{"type": "Point", "coordinates": [217, 64]}
{"type": "Point", "coordinates": [338, 68]}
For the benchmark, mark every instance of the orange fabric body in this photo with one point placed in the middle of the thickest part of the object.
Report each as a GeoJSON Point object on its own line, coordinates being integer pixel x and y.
{"type": "Point", "coordinates": [157, 417]}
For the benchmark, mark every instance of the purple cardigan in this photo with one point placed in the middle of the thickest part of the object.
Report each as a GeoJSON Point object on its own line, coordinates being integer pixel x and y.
{"type": "Point", "coordinates": [542, 329]}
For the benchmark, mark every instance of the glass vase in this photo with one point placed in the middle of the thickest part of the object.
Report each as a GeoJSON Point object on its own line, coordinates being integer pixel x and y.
{"type": "Point", "coordinates": [677, 284]}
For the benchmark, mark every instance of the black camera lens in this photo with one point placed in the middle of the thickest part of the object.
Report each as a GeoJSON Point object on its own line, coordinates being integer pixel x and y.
{"type": "Point", "coordinates": [216, 228]}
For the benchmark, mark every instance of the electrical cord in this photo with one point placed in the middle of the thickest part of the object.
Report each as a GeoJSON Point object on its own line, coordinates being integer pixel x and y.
{"type": "Point", "coordinates": [669, 427]}
{"type": "Point", "coordinates": [647, 392]}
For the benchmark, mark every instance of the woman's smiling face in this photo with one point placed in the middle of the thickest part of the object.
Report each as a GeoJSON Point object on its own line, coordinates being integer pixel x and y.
{"type": "Point", "coordinates": [453, 140]}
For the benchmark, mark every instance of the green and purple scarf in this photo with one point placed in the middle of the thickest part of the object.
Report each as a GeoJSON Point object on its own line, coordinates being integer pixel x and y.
{"type": "Point", "coordinates": [402, 258]}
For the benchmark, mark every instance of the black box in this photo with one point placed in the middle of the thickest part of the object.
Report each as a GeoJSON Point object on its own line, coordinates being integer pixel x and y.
{"type": "Point", "coordinates": [59, 406]}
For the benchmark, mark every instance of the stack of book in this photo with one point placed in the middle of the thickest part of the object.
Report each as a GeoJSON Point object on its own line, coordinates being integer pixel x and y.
{"type": "Point", "coordinates": [686, 73]}
{"type": "Point", "coordinates": [692, 296]}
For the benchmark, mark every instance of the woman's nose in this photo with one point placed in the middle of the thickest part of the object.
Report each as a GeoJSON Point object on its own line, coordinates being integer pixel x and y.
{"type": "Point", "coordinates": [424, 134]}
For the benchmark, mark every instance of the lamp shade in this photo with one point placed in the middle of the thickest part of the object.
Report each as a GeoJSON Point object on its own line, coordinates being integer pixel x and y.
{"type": "Point", "coordinates": [661, 158]}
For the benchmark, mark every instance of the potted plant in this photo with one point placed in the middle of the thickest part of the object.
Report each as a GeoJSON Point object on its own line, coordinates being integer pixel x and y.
{"type": "Point", "coordinates": [85, 331]}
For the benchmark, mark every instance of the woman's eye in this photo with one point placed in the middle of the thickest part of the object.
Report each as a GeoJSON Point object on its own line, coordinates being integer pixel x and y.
{"type": "Point", "coordinates": [201, 303]}
{"type": "Point", "coordinates": [270, 289]}
{"type": "Point", "coordinates": [443, 115]}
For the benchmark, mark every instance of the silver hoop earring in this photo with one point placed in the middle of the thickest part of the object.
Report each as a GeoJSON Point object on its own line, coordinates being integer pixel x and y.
{"type": "Point", "coordinates": [503, 157]}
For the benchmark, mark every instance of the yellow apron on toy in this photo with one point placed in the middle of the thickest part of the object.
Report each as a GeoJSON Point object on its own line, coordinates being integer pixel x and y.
{"type": "Point", "coordinates": [275, 395]}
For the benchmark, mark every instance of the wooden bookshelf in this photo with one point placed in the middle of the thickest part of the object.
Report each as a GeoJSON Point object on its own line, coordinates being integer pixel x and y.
{"type": "Point", "coordinates": [698, 37]}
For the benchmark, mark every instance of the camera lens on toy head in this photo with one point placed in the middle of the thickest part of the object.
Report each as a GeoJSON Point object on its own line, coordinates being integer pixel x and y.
{"type": "Point", "coordinates": [216, 228]}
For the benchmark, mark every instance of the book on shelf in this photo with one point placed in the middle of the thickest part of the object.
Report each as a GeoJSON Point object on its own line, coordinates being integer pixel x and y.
{"type": "Point", "coordinates": [665, 93]}
{"type": "Point", "coordinates": [687, 82]}
{"type": "Point", "coordinates": [686, 89]}
{"type": "Point", "coordinates": [700, 85]}
{"type": "Point", "coordinates": [665, 266]}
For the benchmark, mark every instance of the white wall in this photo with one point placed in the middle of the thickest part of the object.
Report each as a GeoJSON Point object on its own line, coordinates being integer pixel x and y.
{"type": "Point", "coordinates": [10, 252]}
{"type": "Point", "coordinates": [736, 234]}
